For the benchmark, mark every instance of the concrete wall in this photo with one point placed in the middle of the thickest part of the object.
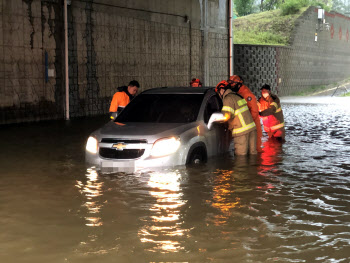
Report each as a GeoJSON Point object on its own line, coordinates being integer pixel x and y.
{"type": "Point", "coordinates": [305, 62]}
{"type": "Point", "coordinates": [110, 43]}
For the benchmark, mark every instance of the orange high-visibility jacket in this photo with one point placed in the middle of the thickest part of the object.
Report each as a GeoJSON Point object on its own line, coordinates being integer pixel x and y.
{"type": "Point", "coordinates": [119, 101]}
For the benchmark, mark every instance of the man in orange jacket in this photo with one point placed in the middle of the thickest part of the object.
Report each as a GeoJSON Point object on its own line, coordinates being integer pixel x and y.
{"type": "Point", "coordinates": [237, 86]}
{"type": "Point", "coordinates": [122, 98]}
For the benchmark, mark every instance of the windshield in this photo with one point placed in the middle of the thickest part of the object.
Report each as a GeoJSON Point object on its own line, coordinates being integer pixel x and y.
{"type": "Point", "coordinates": [162, 108]}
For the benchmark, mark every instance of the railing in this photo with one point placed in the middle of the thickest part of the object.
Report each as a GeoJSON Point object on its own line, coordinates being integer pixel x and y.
{"type": "Point", "coordinates": [344, 86]}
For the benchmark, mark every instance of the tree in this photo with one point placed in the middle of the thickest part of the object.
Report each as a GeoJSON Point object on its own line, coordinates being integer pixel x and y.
{"type": "Point", "coordinates": [244, 7]}
{"type": "Point", "coordinates": [339, 6]}
{"type": "Point", "coordinates": [270, 4]}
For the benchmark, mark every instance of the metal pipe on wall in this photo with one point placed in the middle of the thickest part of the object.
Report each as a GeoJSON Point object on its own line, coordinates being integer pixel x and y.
{"type": "Point", "coordinates": [230, 26]}
{"type": "Point", "coordinates": [66, 59]}
{"type": "Point", "coordinates": [205, 44]}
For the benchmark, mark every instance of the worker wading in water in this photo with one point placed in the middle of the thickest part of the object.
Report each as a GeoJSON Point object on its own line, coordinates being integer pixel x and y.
{"type": "Point", "coordinates": [240, 121]}
{"type": "Point", "coordinates": [237, 85]}
{"type": "Point", "coordinates": [271, 114]}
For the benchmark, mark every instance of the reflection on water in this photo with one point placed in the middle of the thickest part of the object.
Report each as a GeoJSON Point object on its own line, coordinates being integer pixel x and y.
{"type": "Point", "coordinates": [271, 156]}
{"type": "Point", "coordinates": [92, 189]}
{"type": "Point", "coordinates": [162, 228]}
{"type": "Point", "coordinates": [223, 196]}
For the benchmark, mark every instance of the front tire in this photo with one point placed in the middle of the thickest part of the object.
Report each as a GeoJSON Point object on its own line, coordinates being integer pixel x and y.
{"type": "Point", "coordinates": [197, 156]}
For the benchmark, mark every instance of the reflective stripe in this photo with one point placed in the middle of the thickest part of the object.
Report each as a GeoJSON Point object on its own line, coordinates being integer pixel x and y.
{"type": "Point", "coordinates": [242, 102]}
{"type": "Point", "coordinates": [228, 109]}
{"type": "Point", "coordinates": [278, 109]}
{"type": "Point", "coordinates": [278, 126]}
{"type": "Point", "coordinates": [274, 104]}
{"type": "Point", "coordinates": [241, 110]}
{"type": "Point", "coordinates": [241, 119]}
{"type": "Point", "coordinates": [243, 129]}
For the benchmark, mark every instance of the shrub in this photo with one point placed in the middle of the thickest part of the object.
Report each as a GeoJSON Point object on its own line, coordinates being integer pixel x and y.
{"type": "Point", "coordinates": [256, 37]}
{"type": "Point", "coordinates": [293, 6]}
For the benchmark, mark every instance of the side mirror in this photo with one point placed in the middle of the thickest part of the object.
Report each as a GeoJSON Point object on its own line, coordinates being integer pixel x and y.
{"type": "Point", "coordinates": [216, 117]}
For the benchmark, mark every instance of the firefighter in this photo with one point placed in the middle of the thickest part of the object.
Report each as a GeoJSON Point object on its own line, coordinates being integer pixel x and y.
{"type": "Point", "coordinates": [122, 98]}
{"type": "Point", "coordinates": [195, 83]}
{"type": "Point", "coordinates": [271, 113]}
{"type": "Point", "coordinates": [240, 120]}
{"type": "Point", "coordinates": [237, 86]}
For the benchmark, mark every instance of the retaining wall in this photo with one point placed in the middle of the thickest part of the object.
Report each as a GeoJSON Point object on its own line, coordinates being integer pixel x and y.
{"type": "Point", "coordinates": [305, 62]}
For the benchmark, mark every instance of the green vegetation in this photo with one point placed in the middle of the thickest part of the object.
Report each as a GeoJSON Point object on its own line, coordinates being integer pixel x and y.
{"type": "Point", "coordinates": [294, 6]}
{"type": "Point", "coordinates": [266, 28]}
{"type": "Point", "coordinates": [273, 27]}
{"type": "Point", "coordinates": [346, 94]}
{"type": "Point", "coordinates": [246, 7]}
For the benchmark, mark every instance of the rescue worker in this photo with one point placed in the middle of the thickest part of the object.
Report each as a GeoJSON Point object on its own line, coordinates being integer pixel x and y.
{"type": "Point", "coordinates": [240, 120]}
{"type": "Point", "coordinates": [238, 86]}
{"type": "Point", "coordinates": [195, 83]}
{"type": "Point", "coordinates": [122, 98]}
{"type": "Point", "coordinates": [271, 113]}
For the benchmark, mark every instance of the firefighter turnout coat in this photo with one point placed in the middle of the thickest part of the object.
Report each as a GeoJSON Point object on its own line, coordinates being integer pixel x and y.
{"type": "Point", "coordinates": [240, 120]}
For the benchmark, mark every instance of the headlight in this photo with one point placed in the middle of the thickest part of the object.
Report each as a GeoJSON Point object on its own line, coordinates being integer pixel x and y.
{"type": "Point", "coordinates": [91, 145]}
{"type": "Point", "coordinates": [165, 147]}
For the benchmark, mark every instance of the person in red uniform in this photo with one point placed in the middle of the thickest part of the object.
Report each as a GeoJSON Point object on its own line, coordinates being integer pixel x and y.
{"type": "Point", "coordinates": [271, 113]}
{"type": "Point", "coordinates": [122, 98]}
{"type": "Point", "coordinates": [237, 86]}
{"type": "Point", "coordinates": [195, 83]}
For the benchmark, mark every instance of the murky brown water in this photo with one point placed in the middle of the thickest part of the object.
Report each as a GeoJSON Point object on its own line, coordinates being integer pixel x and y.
{"type": "Point", "coordinates": [291, 204]}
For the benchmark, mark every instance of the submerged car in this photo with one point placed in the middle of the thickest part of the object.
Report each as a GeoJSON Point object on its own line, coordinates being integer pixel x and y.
{"type": "Point", "coordinates": [161, 127]}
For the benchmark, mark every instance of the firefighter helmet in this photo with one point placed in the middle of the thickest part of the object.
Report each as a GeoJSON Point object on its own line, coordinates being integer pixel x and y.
{"type": "Point", "coordinates": [221, 85]}
{"type": "Point", "coordinates": [195, 83]}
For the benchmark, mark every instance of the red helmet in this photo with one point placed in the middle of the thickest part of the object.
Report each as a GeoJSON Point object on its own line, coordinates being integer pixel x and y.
{"type": "Point", "coordinates": [221, 85]}
{"type": "Point", "coordinates": [236, 82]}
{"type": "Point", "coordinates": [235, 79]}
{"type": "Point", "coordinates": [196, 83]}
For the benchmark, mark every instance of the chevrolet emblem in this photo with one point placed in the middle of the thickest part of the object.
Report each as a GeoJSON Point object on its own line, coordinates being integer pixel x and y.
{"type": "Point", "coordinates": [119, 147]}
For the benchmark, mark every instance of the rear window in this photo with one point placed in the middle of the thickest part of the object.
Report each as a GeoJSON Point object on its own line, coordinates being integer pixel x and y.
{"type": "Point", "coordinates": [162, 108]}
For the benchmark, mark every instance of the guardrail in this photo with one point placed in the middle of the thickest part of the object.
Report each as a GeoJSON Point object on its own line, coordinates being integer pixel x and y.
{"type": "Point", "coordinates": [342, 86]}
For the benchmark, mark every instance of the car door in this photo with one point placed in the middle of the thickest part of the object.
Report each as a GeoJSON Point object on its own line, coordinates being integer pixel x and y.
{"type": "Point", "coordinates": [217, 137]}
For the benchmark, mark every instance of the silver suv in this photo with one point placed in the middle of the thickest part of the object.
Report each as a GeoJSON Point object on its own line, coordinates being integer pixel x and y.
{"type": "Point", "coordinates": [161, 127]}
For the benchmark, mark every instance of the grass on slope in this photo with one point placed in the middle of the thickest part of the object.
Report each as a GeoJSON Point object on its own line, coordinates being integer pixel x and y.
{"type": "Point", "coordinates": [266, 28]}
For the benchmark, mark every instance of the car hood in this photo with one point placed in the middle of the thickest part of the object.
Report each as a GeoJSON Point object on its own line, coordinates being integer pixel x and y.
{"type": "Point", "coordinates": [149, 131]}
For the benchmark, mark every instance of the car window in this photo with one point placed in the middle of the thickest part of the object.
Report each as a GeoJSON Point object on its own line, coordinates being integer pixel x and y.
{"type": "Point", "coordinates": [162, 108]}
{"type": "Point", "coordinates": [214, 104]}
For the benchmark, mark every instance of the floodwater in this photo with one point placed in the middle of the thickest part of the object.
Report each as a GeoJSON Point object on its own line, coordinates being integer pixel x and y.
{"type": "Point", "coordinates": [290, 204]}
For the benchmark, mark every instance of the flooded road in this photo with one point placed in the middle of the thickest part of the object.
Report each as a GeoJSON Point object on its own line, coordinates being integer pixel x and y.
{"type": "Point", "coordinates": [290, 204]}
